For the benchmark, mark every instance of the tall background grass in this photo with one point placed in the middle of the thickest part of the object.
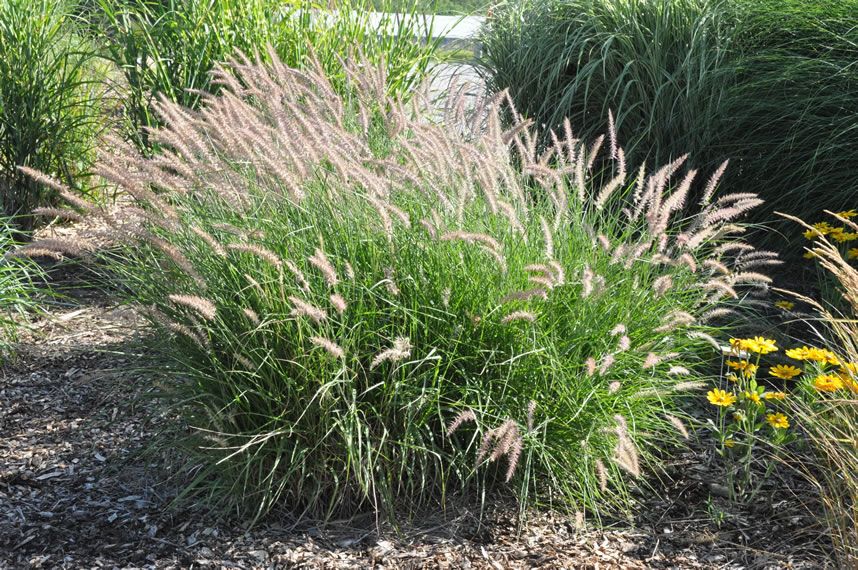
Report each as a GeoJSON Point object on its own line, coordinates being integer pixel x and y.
{"type": "Point", "coordinates": [50, 102]}
{"type": "Point", "coordinates": [771, 85]}
{"type": "Point", "coordinates": [793, 117]}
{"type": "Point", "coordinates": [60, 59]}
{"type": "Point", "coordinates": [448, 7]}
{"type": "Point", "coordinates": [659, 66]}
{"type": "Point", "coordinates": [168, 48]}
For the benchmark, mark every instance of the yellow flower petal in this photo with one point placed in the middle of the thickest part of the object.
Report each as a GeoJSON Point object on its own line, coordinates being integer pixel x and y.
{"type": "Point", "coordinates": [827, 383]}
{"type": "Point", "coordinates": [785, 371]}
{"type": "Point", "coordinates": [721, 398]}
{"type": "Point", "coordinates": [760, 345]}
{"type": "Point", "coordinates": [751, 397]}
{"type": "Point", "coordinates": [778, 420]}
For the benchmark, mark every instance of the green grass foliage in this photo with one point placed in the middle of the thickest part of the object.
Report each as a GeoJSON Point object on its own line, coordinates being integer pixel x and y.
{"type": "Point", "coordinates": [658, 65]}
{"type": "Point", "coordinates": [168, 48]}
{"type": "Point", "coordinates": [19, 276]}
{"type": "Point", "coordinates": [793, 118]}
{"type": "Point", "coordinates": [451, 7]}
{"type": "Point", "coordinates": [50, 103]}
{"type": "Point", "coordinates": [770, 84]}
{"type": "Point", "coordinates": [364, 309]}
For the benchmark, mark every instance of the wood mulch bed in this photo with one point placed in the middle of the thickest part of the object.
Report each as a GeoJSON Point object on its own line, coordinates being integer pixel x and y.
{"type": "Point", "coordinates": [76, 491]}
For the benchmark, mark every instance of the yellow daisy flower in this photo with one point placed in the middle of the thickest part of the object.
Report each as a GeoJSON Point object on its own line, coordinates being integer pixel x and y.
{"type": "Point", "coordinates": [847, 214]}
{"type": "Point", "coordinates": [831, 358]}
{"type": "Point", "coordinates": [747, 344]}
{"type": "Point", "coordinates": [843, 236]}
{"type": "Point", "coordinates": [748, 369]}
{"type": "Point", "coordinates": [737, 345]}
{"type": "Point", "coordinates": [761, 345]}
{"type": "Point", "coordinates": [730, 442]}
{"type": "Point", "coordinates": [823, 228]}
{"type": "Point", "coordinates": [798, 353]}
{"type": "Point", "coordinates": [821, 355]}
{"type": "Point", "coordinates": [785, 371]}
{"type": "Point", "coordinates": [777, 421]}
{"type": "Point", "coordinates": [827, 383]}
{"type": "Point", "coordinates": [721, 398]}
{"type": "Point", "coordinates": [814, 354]}
{"type": "Point", "coordinates": [751, 396]}
{"type": "Point", "coordinates": [774, 396]}
{"type": "Point", "coordinates": [785, 305]}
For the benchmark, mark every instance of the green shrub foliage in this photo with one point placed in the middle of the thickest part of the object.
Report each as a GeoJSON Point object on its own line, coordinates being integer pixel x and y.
{"type": "Point", "coordinates": [364, 305]}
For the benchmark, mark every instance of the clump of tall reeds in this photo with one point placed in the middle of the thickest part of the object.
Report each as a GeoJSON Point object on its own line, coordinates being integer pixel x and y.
{"type": "Point", "coordinates": [769, 84]}
{"type": "Point", "coordinates": [169, 48]}
{"type": "Point", "coordinates": [339, 279]}
{"type": "Point", "coordinates": [50, 103]}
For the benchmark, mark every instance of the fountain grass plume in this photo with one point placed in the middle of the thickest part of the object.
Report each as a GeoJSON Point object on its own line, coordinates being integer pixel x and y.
{"type": "Point", "coordinates": [368, 305]}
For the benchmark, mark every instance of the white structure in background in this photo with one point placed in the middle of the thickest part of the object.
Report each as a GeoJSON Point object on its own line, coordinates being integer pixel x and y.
{"type": "Point", "coordinates": [454, 31]}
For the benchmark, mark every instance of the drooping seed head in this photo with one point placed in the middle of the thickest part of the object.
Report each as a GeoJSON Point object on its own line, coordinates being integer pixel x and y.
{"type": "Point", "coordinates": [302, 308]}
{"type": "Point", "coordinates": [329, 346]}
{"type": "Point", "coordinates": [201, 306]}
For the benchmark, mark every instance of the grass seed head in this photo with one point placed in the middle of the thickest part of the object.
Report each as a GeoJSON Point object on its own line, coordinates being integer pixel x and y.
{"type": "Point", "coordinates": [203, 307]}
{"type": "Point", "coordinates": [302, 308]}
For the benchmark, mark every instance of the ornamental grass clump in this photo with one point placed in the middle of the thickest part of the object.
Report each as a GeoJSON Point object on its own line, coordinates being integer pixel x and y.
{"type": "Point", "coordinates": [361, 308]}
{"type": "Point", "coordinates": [769, 84]}
{"type": "Point", "coordinates": [660, 65]}
{"type": "Point", "coordinates": [51, 103]}
{"type": "Point", "coordinates": [169, 48]}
